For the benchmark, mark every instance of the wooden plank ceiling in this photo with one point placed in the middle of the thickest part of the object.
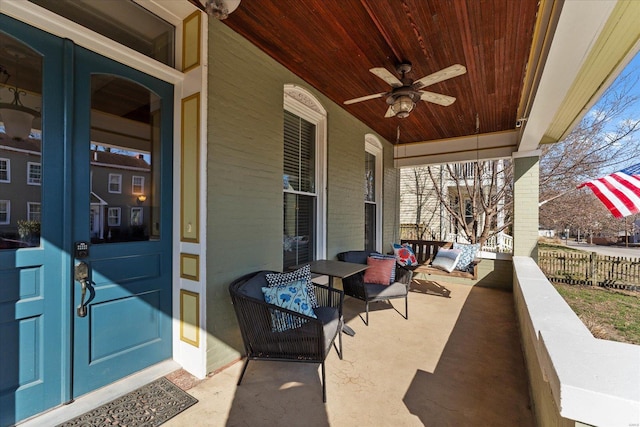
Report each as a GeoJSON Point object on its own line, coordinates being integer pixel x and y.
{"type": "Point", "coordinates": [332, 44]}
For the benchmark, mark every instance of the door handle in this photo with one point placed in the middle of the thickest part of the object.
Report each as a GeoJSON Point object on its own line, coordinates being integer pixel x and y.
{"type": "Point", "coordinates": [81, 274]}
{"type": "Point", "coordinates": [82, 308]}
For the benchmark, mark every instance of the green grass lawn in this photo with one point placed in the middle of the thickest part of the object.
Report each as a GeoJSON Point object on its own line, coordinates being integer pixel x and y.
{"type": "Point", "coordinates": [608, 313]}
{"type": "Point", "coordinates": [552, 247]}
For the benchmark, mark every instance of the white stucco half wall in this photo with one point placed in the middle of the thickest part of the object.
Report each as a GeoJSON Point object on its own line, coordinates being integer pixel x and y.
{"type": "Point", "coordinates": [593, 381]}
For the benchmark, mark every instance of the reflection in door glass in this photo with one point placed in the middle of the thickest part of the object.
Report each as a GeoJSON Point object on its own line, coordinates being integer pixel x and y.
{"type": "Point", "coordinates": [20, 144]}
{"type": "Point", "coordinates": [125, 119]}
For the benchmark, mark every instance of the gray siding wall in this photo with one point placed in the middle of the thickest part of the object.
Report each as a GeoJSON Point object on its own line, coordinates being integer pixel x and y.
{"type": "Point", "coordinates": [244, 178]}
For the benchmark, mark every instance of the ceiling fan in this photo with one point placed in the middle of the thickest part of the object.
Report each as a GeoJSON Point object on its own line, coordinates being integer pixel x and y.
{"type": "Point", "coordinates": [406, 92]}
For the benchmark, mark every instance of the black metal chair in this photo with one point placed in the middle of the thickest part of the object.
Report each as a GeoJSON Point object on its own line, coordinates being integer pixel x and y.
{"type": "Point", "coordinates": [354, 286]}
{"type": "Point", "coordinates": [310, 341]}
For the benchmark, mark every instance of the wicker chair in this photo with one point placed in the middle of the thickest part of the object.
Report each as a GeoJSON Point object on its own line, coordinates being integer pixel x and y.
{"type": "Point", "coordinates": [309, 342]}
{"type": "Point", "coordinates": [355, 286]}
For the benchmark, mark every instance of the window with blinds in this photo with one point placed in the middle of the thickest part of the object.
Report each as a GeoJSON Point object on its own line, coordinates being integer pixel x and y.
{"type": "Point", "coordinates": [369, 201]}
{"type": "Point", "coordinates": [299, 187]}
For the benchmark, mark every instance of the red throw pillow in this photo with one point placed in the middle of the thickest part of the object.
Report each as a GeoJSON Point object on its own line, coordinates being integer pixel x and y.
{"type": "Point", "coordinates": [379, 270]}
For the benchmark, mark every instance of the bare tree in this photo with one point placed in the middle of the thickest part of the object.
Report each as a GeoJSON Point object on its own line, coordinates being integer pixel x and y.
{"type": "Point", "coordinates": [477, 197]}
{"type": "Point", "coordinates": [603, 142]}
{"type": "Point", "coordinates": [582, 214]}
{"type": "Point", "coordinates": [471, 199]}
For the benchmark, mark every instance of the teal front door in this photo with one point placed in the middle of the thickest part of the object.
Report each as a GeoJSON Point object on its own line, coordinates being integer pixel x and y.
{"type": "Point", "coordinates": [85, 221]}
{"type": "Point", "coordinates": [121, 186]}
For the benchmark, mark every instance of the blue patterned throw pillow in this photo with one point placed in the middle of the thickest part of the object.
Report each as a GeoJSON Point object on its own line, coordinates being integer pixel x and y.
{"type": "Point", "coordinates": [292, 296]}
{"type": "Point", "coordinates": [467, 255]}
{"type": "Point", "coordinates": [303, 273]}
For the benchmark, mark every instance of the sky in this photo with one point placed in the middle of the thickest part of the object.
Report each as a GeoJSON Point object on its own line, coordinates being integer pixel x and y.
{"type": "Point", "coordinates": [632, 112]}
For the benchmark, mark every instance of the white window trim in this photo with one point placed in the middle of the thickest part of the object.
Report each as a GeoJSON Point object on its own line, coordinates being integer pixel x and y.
{"type": "Point", "coordinates": [302, 103]}
{"type": "Point", "coordinates": [119, 183]}
{"type": "Point", "coordinates": [8, 162]}
{"type": "Point", "coordinates": [372, 145]}
{"type": "Point", "coordinates": [133, 186]}
{"type": "Point", "coordinates": [8, 205]}
{"type": "Point", "coordinates": [141, 212]}
{"type": "Point", "coordinates": [109, 217]}
{"type": "Point", "coordinates": [29, 166]}
{"type": "Point", "coordinates": [29, 205]}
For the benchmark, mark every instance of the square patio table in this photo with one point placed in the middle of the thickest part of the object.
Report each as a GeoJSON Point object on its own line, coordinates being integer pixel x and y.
{"type": "Point", "coordinates": [333, 268]}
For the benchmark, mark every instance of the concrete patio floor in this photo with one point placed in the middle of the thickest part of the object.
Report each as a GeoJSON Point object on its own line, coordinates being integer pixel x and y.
{"type": "Point", "coordinates": [456, 361]}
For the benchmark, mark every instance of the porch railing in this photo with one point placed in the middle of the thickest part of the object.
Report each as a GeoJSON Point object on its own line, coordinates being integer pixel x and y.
{"type": "Point", "coordinates": [499, 243]}
{"type": "Point", "coordinates": [570, 371]}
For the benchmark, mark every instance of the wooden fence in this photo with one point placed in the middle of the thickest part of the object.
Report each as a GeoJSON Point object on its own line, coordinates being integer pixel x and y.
{"type": "Point", "coordinates": [591, 269]}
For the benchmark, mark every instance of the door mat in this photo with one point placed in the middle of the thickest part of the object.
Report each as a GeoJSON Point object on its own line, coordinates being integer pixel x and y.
{"type": "Point", "coordinates": [150, 405]}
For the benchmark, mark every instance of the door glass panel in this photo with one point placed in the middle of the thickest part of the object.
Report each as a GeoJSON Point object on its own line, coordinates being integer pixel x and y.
{"type": "Point", "coordinates": [125, 129]}
{"type": "Point", "coordinates": [20, 144]}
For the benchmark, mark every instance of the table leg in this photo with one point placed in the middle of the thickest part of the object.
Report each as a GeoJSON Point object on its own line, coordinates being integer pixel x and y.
{"type": "Point", "coordinates": [345, 329]}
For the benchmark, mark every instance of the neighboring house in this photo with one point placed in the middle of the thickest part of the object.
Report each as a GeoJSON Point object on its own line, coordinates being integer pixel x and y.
{"type": "Point", "coordinates": [545, 232]}
{"type": "Point", "coordinates": [420, 205]}
{"type": "Point", "coordinates": [119, 190]}
{"type": "Point", "coordinates": [251, 161]}
{"type": "Point", "coordinates": [632, 235]}
{"type": "Point", "coordinates": [20, 187]}
{"type": "Point", "coordinates": [420, 200]}
{"type": "Point", "coordinates": [120, 196]}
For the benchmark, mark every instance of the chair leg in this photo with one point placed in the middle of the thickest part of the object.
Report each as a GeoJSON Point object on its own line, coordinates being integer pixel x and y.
{"type": "Point", "coordinates": [324, 385]}
{"type": "Point", "coordinates": [366, 308]}
{"type": "Point", "coordinates": [338, 347]}
{"type": "Point", "coordinates": [244, 368]}
{"type": "Point", "coordinates": [406, 307]}
{"type": "Point", "coordinates": [340, 338]}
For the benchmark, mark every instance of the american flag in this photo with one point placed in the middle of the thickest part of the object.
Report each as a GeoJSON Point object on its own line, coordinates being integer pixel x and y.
{"type": "Point", "coordinates": [620, 191]}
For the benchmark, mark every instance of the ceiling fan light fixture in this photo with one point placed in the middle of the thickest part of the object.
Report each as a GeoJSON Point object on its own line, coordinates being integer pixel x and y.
{"type": "Point", "coordinates": [402, 106]}
{"type": "Point", "coordinates": [406, 92]}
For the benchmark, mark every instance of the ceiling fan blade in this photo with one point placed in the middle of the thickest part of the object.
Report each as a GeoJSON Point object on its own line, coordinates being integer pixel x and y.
{"type": "Point", "coordinates": [437, 98]}
{"type": "Point", "coordinates": [364, 98]}
{"type": "Point", "coordinates": [438, 76]}
{"type": "Point", "coordinates": [387, 76]}
{"type": "Point", "coordinates": [389, 113]}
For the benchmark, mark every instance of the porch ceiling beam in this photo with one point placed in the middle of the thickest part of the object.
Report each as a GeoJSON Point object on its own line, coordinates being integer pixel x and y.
{"type": "Point", "coordinates": [452, 150]}
{"type": "Point", "coordinates": [592, 43]}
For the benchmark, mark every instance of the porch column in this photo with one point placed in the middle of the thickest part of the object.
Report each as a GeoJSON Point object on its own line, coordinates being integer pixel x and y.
{"type": "Point", "coordinates": [525, 203]}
